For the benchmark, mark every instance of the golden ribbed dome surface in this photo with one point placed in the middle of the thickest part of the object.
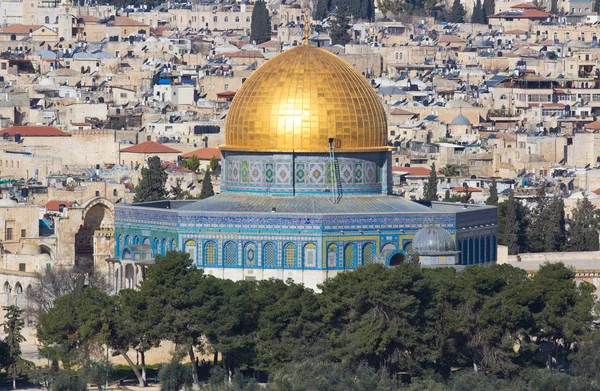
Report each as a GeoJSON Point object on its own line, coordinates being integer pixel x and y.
{"type": "Point", "coordinates": [298, 100]}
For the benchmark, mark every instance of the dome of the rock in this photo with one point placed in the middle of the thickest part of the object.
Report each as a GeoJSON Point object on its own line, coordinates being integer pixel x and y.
{"type": "Point", "coordinates": [299, 100]}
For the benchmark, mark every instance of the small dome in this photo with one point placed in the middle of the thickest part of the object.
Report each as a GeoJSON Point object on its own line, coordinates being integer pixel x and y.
{"type": "Point", "coordinates": [460, 120]}
{"type": "Point", "coordinates": [432, 239]}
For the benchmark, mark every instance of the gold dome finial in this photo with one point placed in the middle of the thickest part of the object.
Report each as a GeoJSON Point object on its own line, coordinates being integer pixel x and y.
{"type": "Point", "coordinates": [306, 25]}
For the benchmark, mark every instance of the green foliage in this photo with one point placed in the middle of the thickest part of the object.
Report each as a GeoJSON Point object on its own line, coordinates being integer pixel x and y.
{"type": "Point", "coordinates": [493, 198]}
{"type": "Point", "coordinates": [547, 230]}
{"type": "Point", "coordinates": [457, 13]}
{"type": "Point", "coordinates": [367, 329]}
{"type": "Point", "coordinates": [339, 30]}
{"type": "Point", "coordinates": [66, 380]}
{"type": "Point", "coordinates": [583, 227]}
{"type": "Point", "coordinates": [213, 164]}
{"type": "Point", "coordinates": [512, 225]}
{"type": "Point", "coordinates": [207, 187]}
{"type": "Point", "coordinates": [478, 16]}
{"type": "Point", "coordinates": [394, 7]}
{"type": "Point", "coordinates": [450, 170]}
{"type": "Point", "coordinates": [260, 27]}
{"type": "Point", "coordinates": [586, 362]}
{"type": "Point", "coordinates": [430, 191]}
{"type": "Point", "coordinates": [177, 192]}
{"type": "Point", "coordinates": [192, 163]}
{"type": "Point", "coordinates": [152, 184]}
{"type": "Point", "coordinates": [13, 327]}
{"type": "Point", "coordinates": [488, 9]}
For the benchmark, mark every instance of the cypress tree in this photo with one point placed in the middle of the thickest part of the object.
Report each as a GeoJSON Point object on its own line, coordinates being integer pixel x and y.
{"type": "Point", "coordinates": [260, 27]}
{"type": "Point", "coordinates": [321, 8]}
{"type": "Point", "coordinates": [493, 198]}
{"type": "Point", "coordinates": [489, 8]}
{"type": "Point", "coordinates": [430, 191]}
{"type": "Point", "coordinates": [512, 223]}
{"type": "Point", "coordinates": [583, 227]}
{"type": "Point", "coordinates": [152, 184]}
{"type": "Point", "coordinates": [339, 28]}
{"type": "Point", "coordinates": [477, 15]}
{"type": "Point", "coordinates": [547, 232]}
{"type": "Point", "coordinates": [457, 14]}
{"type": "Point", "coordinates": [207, 187]}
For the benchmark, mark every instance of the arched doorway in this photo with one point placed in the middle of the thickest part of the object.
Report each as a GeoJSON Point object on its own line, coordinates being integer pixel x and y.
{"type": "Point", "coordinates": [397, 259]}
{"type": "Point", "coordinates": [94, 240]}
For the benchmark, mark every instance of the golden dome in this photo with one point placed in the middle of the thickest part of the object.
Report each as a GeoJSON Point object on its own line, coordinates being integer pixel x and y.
{"type": "Point", "coordinates": [300, 99]}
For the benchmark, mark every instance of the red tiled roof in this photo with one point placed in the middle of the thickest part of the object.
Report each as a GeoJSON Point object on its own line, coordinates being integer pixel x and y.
{"type": "Point", "coordinates": [413, 171]}
{"type": "Point", "coordinates": [597, 191]}
{"type": "Point", "coordinates": [526, 14]}
{"type": "Point", "coordinates": [593, 125]}
{"type": "Point", "coordinates": [548, 105]}
{"type": "Point", "coordinates": [54, 205]}
{"type": "Point", "coordinates": [19, 28]}
{"type": "Point", "coordinates": [35, 131]}
{"type": "Point", "coordinates": [226, 94]}
{"type": "Point", "coordinates": [150, 147]}
{"type": "Point", "coordinates": [204, 153]}
{"type": "Point", "coordinates": [524, 6]}
{"type": "Point", "coordinates": [461, 189]}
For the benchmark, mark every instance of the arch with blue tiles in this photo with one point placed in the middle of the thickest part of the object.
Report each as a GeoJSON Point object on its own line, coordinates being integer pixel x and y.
{"type": "Point", "coordinates": [309, 256]}
{"type": "Point", "coordinates": [210, 254]}
{"type": "Point", "coordinates": [368, 253]}
{"type": "Point", "coordinates": [250, 255]}
{"type": "Point", "coordinates": [269, 255]}
{"type": "Point", "coordinates": [230, 254]}
{"type": "Point", "coordinates": [289, 256]}
{"type": "Point", "coordinates": [350, 256]}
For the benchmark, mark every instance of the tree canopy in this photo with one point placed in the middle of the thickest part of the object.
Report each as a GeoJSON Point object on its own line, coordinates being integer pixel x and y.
{"type": "Point", "coordinates": [152, 184]}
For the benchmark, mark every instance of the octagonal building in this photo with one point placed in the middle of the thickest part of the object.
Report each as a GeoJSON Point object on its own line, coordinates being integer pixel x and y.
{"type": "Point", "coordinates": [305, 188]}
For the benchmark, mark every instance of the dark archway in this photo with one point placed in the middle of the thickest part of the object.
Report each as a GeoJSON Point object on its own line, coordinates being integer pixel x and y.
{"type": "Point", "coordinates": [397, 259]}
{"type": "Point", "coordinates": [97, 219]}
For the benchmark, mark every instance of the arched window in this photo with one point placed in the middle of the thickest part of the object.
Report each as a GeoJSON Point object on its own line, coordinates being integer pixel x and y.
{"type": "Point", "coordinates": [210, 254]}
{"type": "Point", "coordinates": [163, 247]}
{"type": "Point", "coordinates": [250, 255]}
{"type": "Point", "coordinates": [215, 19]}
{"type": "Point", "coordinates": [270, 255]}
{"type": "Point", "coordinates": [368, 254]}
{"type": "Point", "coordinates": [226, 19]}
{"type": "Point", "coordinates": [203, 19]}
{"type": "Point", "coordinates": [310, 255]}
{"type": "Point", "coordinates": [136, 240]}
{"type": "Point", "coordinates": [190, 248]}
{"type": "Point", "coordinates": [289, 253]}
{"type": "Point", "coordinates": [47, 20]}
{"type": "Point", "coordinates": [482, 249]}
{"type": "Point", "coordinates": [237, 19]}
{"type": "Point", "coordinates": [350, 256]}
{"type": "Point", "coordinates": [332, 251]}
{"type": "Point", "coordinates": [229, 254]}
{"type": "Point", "coordinates": [172, 245]}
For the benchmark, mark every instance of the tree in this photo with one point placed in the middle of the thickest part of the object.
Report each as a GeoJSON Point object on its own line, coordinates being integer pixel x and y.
{"type": "Point", "coordinates": [177, 192]}
{"type": "Point", "coordinates": [512, 225]}
{"type": "Point", "coordinates": [207, 187]}
{"type": "Point", "coordinates": [192, 163]}
{"type": "Point", "coordinates": [57, 282]}
{"type": "Point", "coordinates": [450, 170]}
{"type": "Point", "coordinates": [321, 8]}
{"type": "Point", "coordinates": [13, 326]}
{"type": "Point", "coordinates": [489, 8]}
{"type": "Point", "coordinates": [547, 231]}
{"type": "Point", "coordinates": [554, 7]}
{"type": "Point", "coordinates": [394, 7]}
{"type": "Point", "coordinates": [213, 164]}
{"type": "Point", "coordinates": [457, 13]}
{"type": "Point", "coordinates": [493, 198]}
{"type": "Point", "coordinates": [260, 27]}
{"type": "Point", "coordinates": [583, 227]}
{"type": "Point", "coordinates": [152, 184]}
{"type": "Point", "coordinates": [339, 27]}
{"type": "Point", "coordinates": [430, 191]}
{"type": "Point", "coordinates": [478, 13]}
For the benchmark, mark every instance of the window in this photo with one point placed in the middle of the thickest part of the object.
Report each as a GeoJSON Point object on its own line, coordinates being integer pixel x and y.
{"type": "Point", "coordinates": [229, 254]}
{"type": "Point", "coordinates": [332, 256]}
{"type": "Point", "coordinates": [226, 19]}
{"type": "Point", "coordinates": [123, 95]}
{"type": "Point", "coordinates": [226, 87]}
{"type": "Point", "coordinates": [9, 234]}
{"type": "Point", "coordinates": [310, 255]}
{"type": "Point", "coordinates": [270, 255]}
{"type": "Point", "coordinates": [350, 256]}
{"type": "Point", "coordinates": [368, 254]}
{"type": "Point", "coordinates": [22, 267]}
{"type": "Point", "coordinates": [97, 193]}
{"type": "Point", "coordinates": [190, 248]}
{"type": "Point", "coordinates": [210, 254]}
{"type": "Point", "coordinates": [289, 252]}
{"type": "Point", "coordinates": [23, 233]}
{"type": "Point", "coordinates": [215, 19]}
{"type": "Point", "coordinates": [248, 20]}
{"type": "Point", "coordinates": [3, 65]}
{"type": "Point", "coordinates": [237, 19]}
{"type": "Point", "coordinates": [47, 19]}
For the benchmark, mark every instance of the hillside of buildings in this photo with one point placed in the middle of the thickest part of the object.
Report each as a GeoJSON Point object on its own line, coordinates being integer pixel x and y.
{"type": "Point", "coordinates": [487, 103]}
